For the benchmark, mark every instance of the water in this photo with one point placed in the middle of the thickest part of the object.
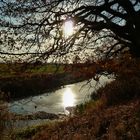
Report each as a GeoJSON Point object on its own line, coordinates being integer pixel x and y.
{"type": "Point", "coordinates": [57, 102]}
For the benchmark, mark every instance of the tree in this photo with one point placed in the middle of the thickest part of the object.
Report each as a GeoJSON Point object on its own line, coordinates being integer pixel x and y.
{"type": "Point", "coordinates": [34, 29]}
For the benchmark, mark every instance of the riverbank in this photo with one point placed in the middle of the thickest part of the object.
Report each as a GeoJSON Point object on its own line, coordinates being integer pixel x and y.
{"type": "Point", "coordinates": [113, 114]}
{"type": "Point", "coordinates": [36, 81]}
{"type": "Point", "coordinates": [33, 116]}
{"type": "Point", "coordinates": [21, 87]}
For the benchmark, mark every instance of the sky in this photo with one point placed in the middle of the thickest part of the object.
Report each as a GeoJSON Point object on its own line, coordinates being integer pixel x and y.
{"type": "Point", "coordinates": [68, 26]}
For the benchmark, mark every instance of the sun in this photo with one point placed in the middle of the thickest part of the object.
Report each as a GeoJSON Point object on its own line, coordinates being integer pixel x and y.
{"type": "Point", "coordinates": [68, 28]}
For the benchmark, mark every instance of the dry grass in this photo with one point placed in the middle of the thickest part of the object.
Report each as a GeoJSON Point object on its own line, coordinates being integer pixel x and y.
{"type": "Point", "coordinates": [119, 91]}
{"type": "Point", "coordinates": [114, 123]}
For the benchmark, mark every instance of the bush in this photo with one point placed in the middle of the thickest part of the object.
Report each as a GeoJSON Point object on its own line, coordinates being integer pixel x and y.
{"type": "Point", "coordinates": [127, 83]}
{"type": "Point", "coordinates": [119, 91]}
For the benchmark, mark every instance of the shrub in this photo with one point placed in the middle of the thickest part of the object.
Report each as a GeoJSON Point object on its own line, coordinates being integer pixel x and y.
{"type": "Point", "coordinates": [118, 91]}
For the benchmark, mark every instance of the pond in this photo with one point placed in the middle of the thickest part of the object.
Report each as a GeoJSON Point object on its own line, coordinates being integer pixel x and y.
{"type": "Point", "coordinates": [58, 101]}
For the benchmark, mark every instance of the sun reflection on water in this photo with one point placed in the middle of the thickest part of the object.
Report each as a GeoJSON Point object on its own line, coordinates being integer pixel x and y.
{"type": "Point", "coordinates": [68, 99]}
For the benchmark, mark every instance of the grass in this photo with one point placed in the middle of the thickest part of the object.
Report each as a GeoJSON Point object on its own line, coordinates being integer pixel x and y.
{"type": "Point", "coordinates": [96, 123]}
{"type": "Point", "coordinates": [25, 69]}
{"type": "Point", "coordinates": [48, 68]}
{"type": "Point", "coordinates": [28, 132]}
{"type": "Point", "coordinates": [11, 70]}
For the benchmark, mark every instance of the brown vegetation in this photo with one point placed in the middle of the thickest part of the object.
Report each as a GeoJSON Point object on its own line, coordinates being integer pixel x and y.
{"type": "Point", "coordinates": [114, 123]}
{"type": "Point", "coordinates": [115, 115]}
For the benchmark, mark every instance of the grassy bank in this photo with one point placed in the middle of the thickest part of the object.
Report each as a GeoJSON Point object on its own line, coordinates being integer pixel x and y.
{"type": "Point", "coordinates": [18, 82]}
